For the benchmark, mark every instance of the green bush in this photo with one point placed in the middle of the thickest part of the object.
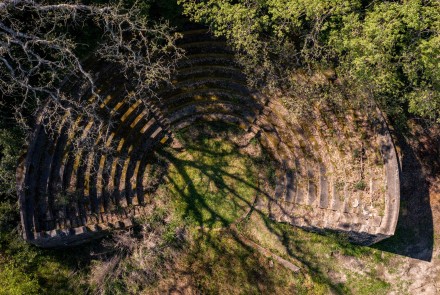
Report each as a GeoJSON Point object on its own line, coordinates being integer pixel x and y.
{"type": "Point", "coordinates": [360, 185]}
{"type": "Point", "coordinates": [15, 282]}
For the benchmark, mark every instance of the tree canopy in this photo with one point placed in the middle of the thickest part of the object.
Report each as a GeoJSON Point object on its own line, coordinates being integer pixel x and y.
{"type": "Point", "coordinates": [391, 48]}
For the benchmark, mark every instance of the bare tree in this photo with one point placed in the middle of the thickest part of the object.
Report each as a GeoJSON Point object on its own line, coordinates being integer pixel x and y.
{"type": "Point", "coordinates": [39, 60]}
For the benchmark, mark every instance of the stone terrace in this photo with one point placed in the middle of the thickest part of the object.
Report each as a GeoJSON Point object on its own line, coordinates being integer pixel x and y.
{"type": "Point", "coordinates": [337, 173]}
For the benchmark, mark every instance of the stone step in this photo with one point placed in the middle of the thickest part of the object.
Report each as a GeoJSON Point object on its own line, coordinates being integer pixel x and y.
{"type": "Point", "coordinates": [200, 32]}
{"type": "Point", "coordinates": [312, 186]}
{"type": "Point", "coordinates": [55, 178]}
{"type": "Point", "coordinates": [324, 188]}
{"type": "Point", "coordinates": [290, 186]}
{"type": "Point", "coordinates": [216, 59]}
{"type": "Point", "coordinates": [211, 108]}
{"type": "Point", "coordinates": [204, 83]}
{"type": "Point", "coordinates": [209, 46]}
{"type": "Point", "coordinates": [199, 72]}
{"type": "Point", "coordinates": [338, 195]}
{"type": "Point", "coordinates": [280, 185]}
{"type": "Point", "coordinates": [32, 201]}
{"type": "Point", "coordinates": [90, 183]}
{"type": "Point", "coordinates": [192, 36]}
{"type": "Point", "coordinates": [44, 171]}
{"type": "Point", "coordinates": [198, 95]}
{"type": "Point", "coordinates": [211, 117]}
{"type": "Point", "coordinates": [209, 70]}
{"type": "Point", "coordinates": [187, 43]}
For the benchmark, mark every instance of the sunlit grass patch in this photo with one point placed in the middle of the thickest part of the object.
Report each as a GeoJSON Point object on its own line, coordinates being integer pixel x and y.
{"type": "Point", "coordinates": [213, 183]}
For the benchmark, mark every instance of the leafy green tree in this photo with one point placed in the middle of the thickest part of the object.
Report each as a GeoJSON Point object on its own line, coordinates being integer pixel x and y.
{"type": "Point", "coordinates": [390, 49]}
{"type": "Point", "coordinates": [395, 48]}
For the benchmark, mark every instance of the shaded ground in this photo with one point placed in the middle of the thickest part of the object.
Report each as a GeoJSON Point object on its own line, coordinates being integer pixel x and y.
{"type": "Point", "coordinates": [414, 235]}
{"type": "Point", "coordinates": [417, 234]}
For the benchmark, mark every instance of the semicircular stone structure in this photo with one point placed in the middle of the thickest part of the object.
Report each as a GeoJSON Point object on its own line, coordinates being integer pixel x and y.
{"type": "Point", "coordinates": [64, 202]}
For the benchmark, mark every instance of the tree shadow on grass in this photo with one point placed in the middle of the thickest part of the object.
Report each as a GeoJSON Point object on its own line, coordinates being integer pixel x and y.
{"type": "Point", "coordinates": [216, 253]}
{"type": "Point", "coordinates": [237, 255]}
{"type": "Point", "coordinates": [195, 200]}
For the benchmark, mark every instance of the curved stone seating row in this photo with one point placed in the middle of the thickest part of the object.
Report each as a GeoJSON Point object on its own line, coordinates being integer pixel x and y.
{"type": "Point", "coordinates": [198, 71]}
{"type": "Point", "coordinates": [207, 94]}
{"type": "Point", "coordinates": [314, 197]}
{"type": "Point", "coordinates": [210, 107]}
{"type": "Point", "coordinates": [68, 196]}
{"type": "Point", "coordinates": [220, 59]}
{"type": "Point", "coordinates": [205, 46]}
{"type": "Point", "coordinates": [204, 83]}
{"type": "Point", "coordinates": [311, 192]}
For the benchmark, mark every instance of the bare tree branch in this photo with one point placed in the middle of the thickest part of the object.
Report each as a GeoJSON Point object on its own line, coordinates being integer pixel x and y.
{"type": "Point", "coordinates": [38, 62]}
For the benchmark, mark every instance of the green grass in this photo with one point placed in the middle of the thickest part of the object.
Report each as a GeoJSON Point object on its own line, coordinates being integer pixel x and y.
{"type": "Point", "coordinates": [220, 264]}
{"type": "Point", "coordinates": [323, 258]}
{"type": "Point", "coordinates": [213, 183]}
{"type": "Point", "coordinates": [25, 269]}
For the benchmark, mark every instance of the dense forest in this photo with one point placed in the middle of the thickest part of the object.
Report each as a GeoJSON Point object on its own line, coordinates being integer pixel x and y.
{"type": "Point", "coordinates": [362, 54]}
